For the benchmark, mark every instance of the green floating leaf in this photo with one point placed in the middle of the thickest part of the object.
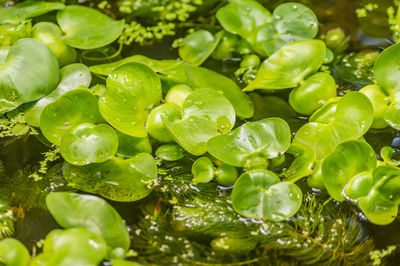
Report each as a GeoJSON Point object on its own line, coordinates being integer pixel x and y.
{"type": "Point", "coordinates": [243, 17]}
{"type": "Point", "coordinates": [313, 93]}
{"type": "Point", "coordinates": [71, 109]}
{"type": "Point", "coordinates": [381, 102]}
{"type": "Point", "coordinates": [177, 94]}
{"type": "Point", "coordinates": [22, 79]}
{"type": "Point", "coordinates": [75, 246]}
{"type": "Point", "coordinates": [72, 76]}
{"type": "Point", "coordinates": [170, 152]}
{"type": "Point", "coordinates": [176, 72]}
{"type": "Point", "coordinates": [381, 204]}
{"type": "Point", "coordinates": [206, 113]}
{"type": "Point", "coordinates": [116, 179]}
{"type": "Point", "coordinates": [87, 28]}
{"type": "Point", "coordinates": [351, 119]}
{"type": "Point", "coordinates": [88, 143]}
{"type": "Point", "coordinates": [198, 46]}
{"type": "Point", "coordinates": [289, 66]}
{"type": "Point", "coordinates": [130, 146]}
{"type": "Point", "coordinates": [386, 70]}
{"type": "Point", "coordinates": [203, 170]}
{"type": "Point", "coordinates": [387, 155]}
{"type": "Point", "coordinates": [51, 35]}
{"type": "Point", "coordinates": [13, 253]}
{"type": "Point", "coordinates": [291, 22]}
{"type": "Point", "coordinates": [226, 175]}
{"type": "Point", "coordinates": [302, 166]}
{"type": "Point", "coordinates": [348, 159]}
{"type": "Point", "coordinates": [10, 33]}
{"type": "Point", "coordinates": [132, 91]}
{"type": "Point", "coordinates": [264, 139]}
{"type": "Point", "coordinates": [271, 106]}
{"type": "Point", "coordinates": [155, 124]}
{"type": "Point", "coordinates": [72, 210]}
{"type": "Point", "coordinates": [260, 194]}
{"type": "Point", "coordinates": [27, 9]}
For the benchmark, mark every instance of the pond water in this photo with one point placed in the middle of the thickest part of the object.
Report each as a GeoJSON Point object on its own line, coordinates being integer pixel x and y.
{"type": "Point", "coordinates": [20, 153]}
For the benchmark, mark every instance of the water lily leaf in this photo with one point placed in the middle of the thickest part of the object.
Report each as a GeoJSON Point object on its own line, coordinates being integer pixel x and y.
{"type": "Point", "coordinates": [206, 113]}
{"type": "Point", "coordinates": [27, 9]}
{"type": "Point", "coordinates": [116, 179]}
{"type": "Point", "coordinates": [198, 46]}
{"type": "Point", "coordinates": [176, 72]}
{"type": "Point", "coordinates": [132, 91]}
{"type": "Point", "coordinates": [267, 138]}
{"type": "Point", "coordinates": [13, 252]}
{"type": "Point", "coordinates": [203, 170]}
{"type": "Point", "coordinates": [348, 159]}
{"type": "Point", "coordinates": [352, 118]}
{"type": "Point", "coordinates": [260, 194]}
{"type": "Point", "coordinates": [50, 34]}
{"type": "Point", "coordinates": [22, 79]}
{"type": "Point", "coordinates": [72, 76]}
{"type": "Point", "coordinates": [87, 28]}
{"type": "Point", "coordinates": [88, 143]}
{"type": "Point", "coordinates": [71, 109]}
{"type": "Point", "coordinates": [289, 66]}
{"type": "Point", "coordinates": [291, 22]}
{"type": "Point", "coordinates": [312, 93]}
{"type": "Point", "coordinates": [129, 146]}
{"type": "Point", "coordinates": [75, 246]}
{"type": "Point", "coordinates": [170, 152]}
{"type": "Point", "coordinates": [243, 17]}
{"type": "Point", "coordinates": [72, 210]}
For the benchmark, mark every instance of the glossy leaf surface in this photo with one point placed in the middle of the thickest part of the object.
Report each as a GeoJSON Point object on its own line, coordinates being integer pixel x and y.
{"type": "Point", "coordinates": [87, 28]}
{"type": "Point", "coordinates": [202, 170]}
{"type": "Point", "coordinates": [72, 76]}
{"type": "Point", "coordinates": [116, 179]}
{"type": "Point", "coordinates": [260, 194]}
{"type": "Point", "coordinates": [71, 109]}
{"type": "Point", "coordinates": [22, 79]}
{"type": "Point", "coordinates": [13, 253]}
{"type": "Point", "coordinates": [72, 210]}
{"type": "Point", "coordinates": [88, 143]}
{"type": "Point", "coordinates": [170, 152]}
{"type": "Point", "coordinates": [264, 139]}
{"type": "Point", "coordinates": [289, 66]}
{"type": "Point", "coordinates": [132, 90]}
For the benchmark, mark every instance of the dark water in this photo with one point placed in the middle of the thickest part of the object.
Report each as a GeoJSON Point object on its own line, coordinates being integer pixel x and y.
{"type": "Point", "coordinates": [367, 33]}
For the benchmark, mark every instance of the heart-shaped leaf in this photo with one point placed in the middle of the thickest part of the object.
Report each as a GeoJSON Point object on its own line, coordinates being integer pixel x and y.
{"type": "Point", "coordinates": [72, 210]}
{"type": "Point", "coordinates": [264, 139]}
{"type": "Point", "coordinates": [132, 91]}
{"type": "Point", "coordinates": [260, 194]}
{"type": "Point", "coordinates": [71, 109]}
{"type": "Point", "coordinates": [87, 28]}
{"type": "Point", "coordinates": [291, 22]}
{"type": "Point", "coordinates": [176, 72]}
{"type": "Point", "coordinates": [348, 159]}
{"type": "Point", "coordinates": [88, 143]}
{"type": "Point", "coordinates": [13, 252]}
{"type": "Point", "coordinates": [289, 66]}
{"type": "Point", "coordinates": [352, 118]}
{"type": "Point", "coordinates": [27, 9]}
{"type": "Point", "coordinates": [203, 170]}
{"type": "Point", "coordinates": [116, 179]}
{"type": "Point", "coordinates": [206, 113]}
{"type": "Point", "coordinates": [50, 34]}
{"type": "Point", "coordinates": [77, 246]}
{"type": "Point", "coordinates": [72, 76]}
{"type": "Point", "coordinates": [198, 46]}
{"type": "Point", "coordinates": [22, 79]}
